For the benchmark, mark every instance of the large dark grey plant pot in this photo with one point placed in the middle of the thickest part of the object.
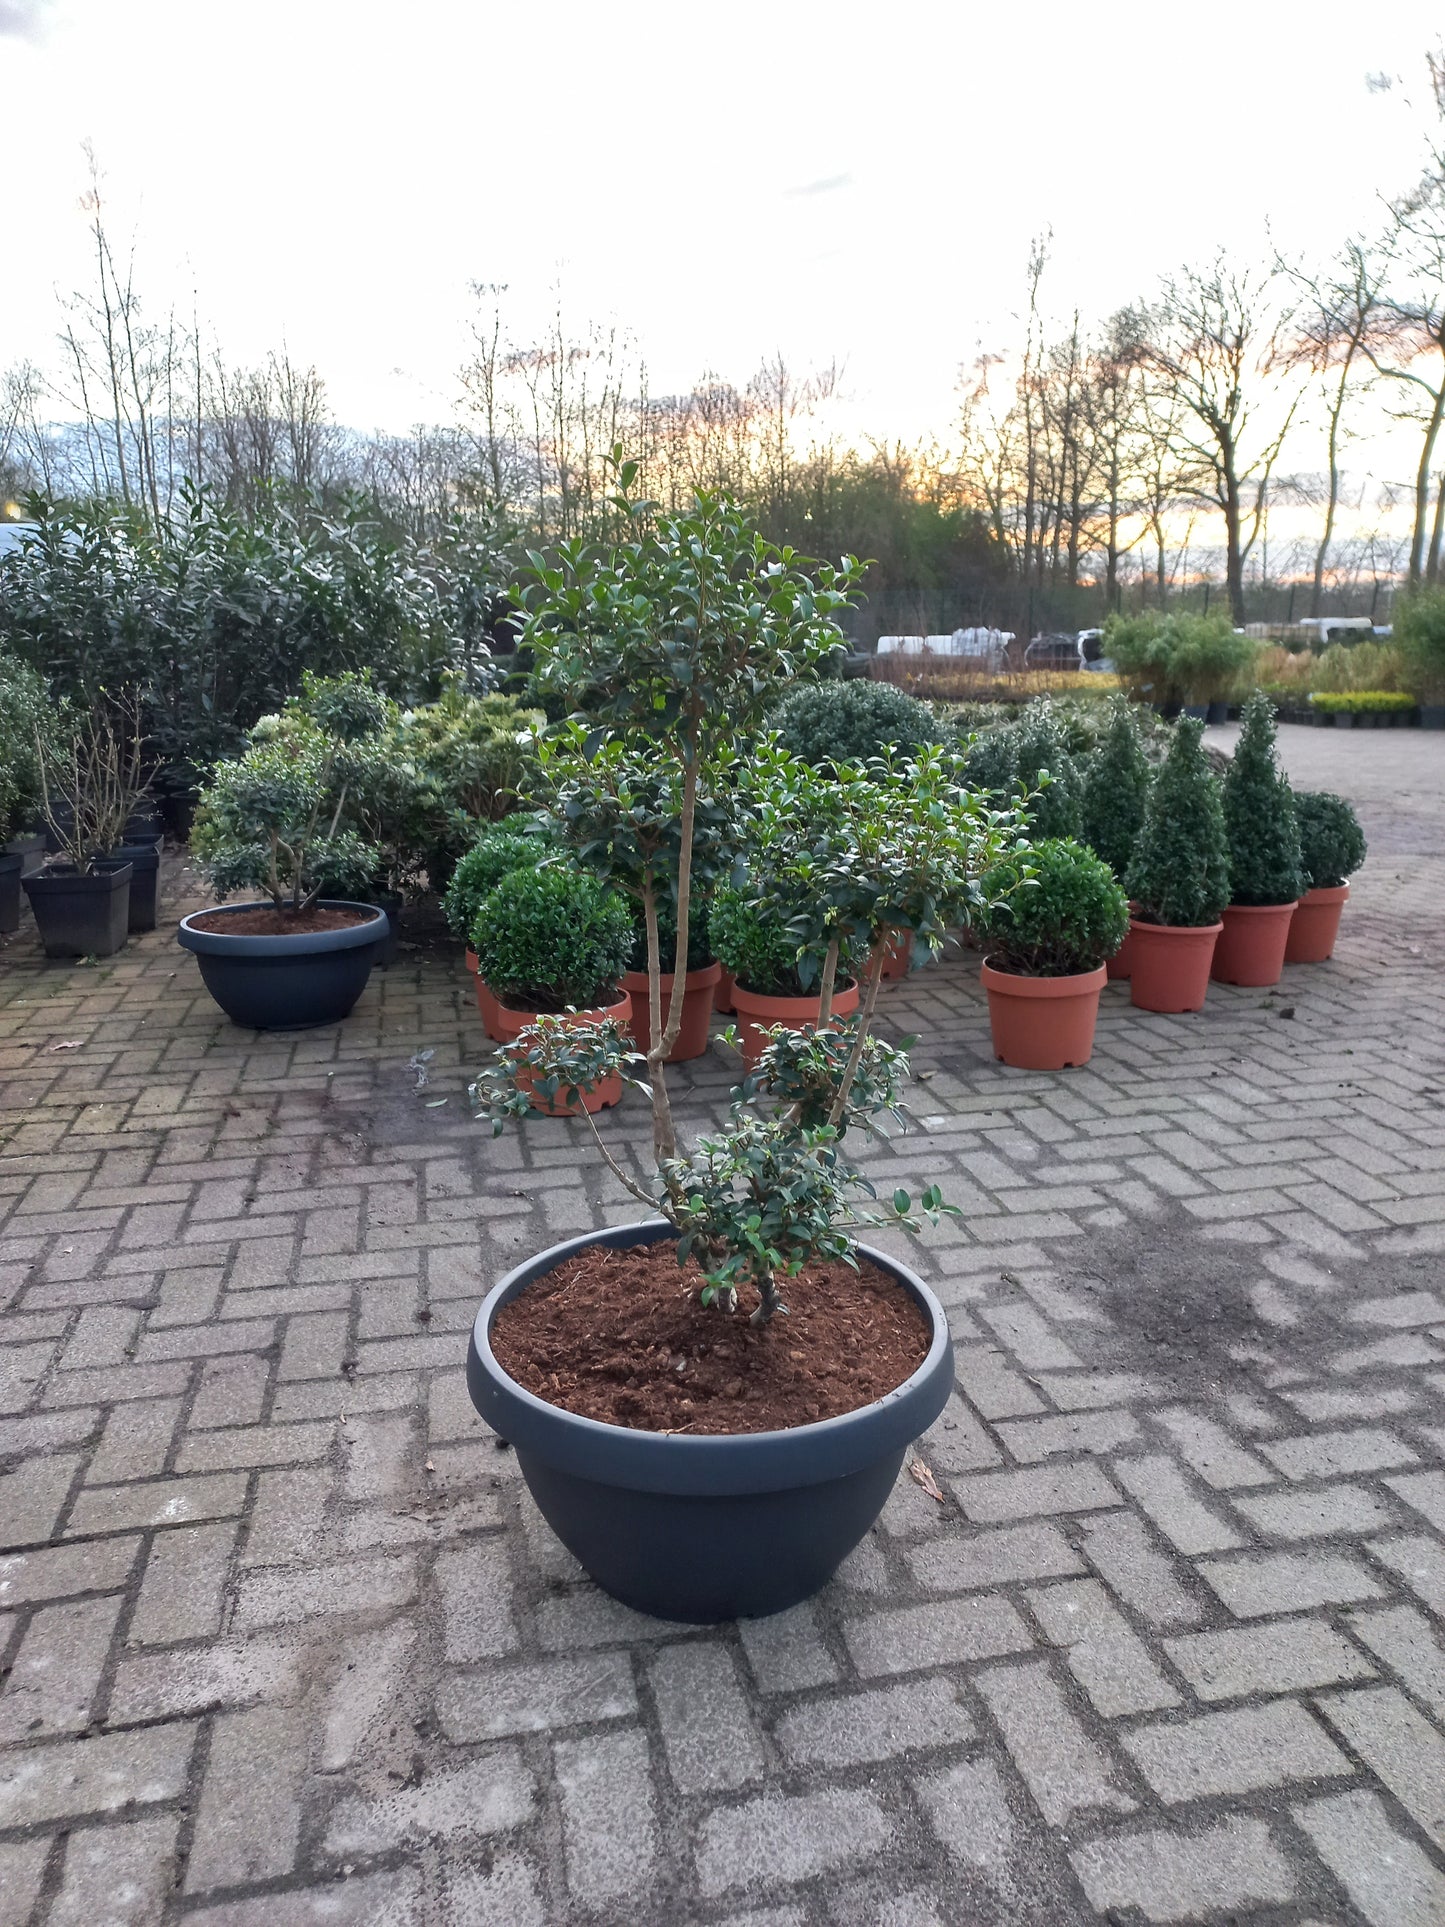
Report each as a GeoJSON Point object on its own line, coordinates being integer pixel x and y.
{"type": "Point", "coordinates": [704, 1529]}
{"type": "Point", "coordinates": [10, 866]}
{"type": "Point", "coordinates": [286, 982]}
{"type": "Point", "coordinates": [80, 914]}
{"type": "Point", "coordinates": [1217, 713]}
{"type": "Point", "coordinates": [144, 858]}
{"type": "Point", "coordinates": [1432, 715]}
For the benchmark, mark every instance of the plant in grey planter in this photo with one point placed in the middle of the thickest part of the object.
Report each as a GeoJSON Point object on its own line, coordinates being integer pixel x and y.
{"type": "Point", "coordinates": [685, 633]}
{"type": "Point", "coordinates": [1420, 637]}
{"type": "Point", "coordinates": [272, 820]}
{"type": "Point", "coordinates": [92, 773]}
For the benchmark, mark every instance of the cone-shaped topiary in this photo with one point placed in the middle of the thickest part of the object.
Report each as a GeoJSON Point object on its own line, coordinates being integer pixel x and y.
{"type": "Point", "coordinates": [1259, 815]}
{"type": "Point", "coordinates": [1116, 789]}
{"type": "Point", "coordinates": [1332, 844]}
{"type": "Point", "coordinates": [1179, 873]}
{"type": "Point", "coordinates": [1040, 743]}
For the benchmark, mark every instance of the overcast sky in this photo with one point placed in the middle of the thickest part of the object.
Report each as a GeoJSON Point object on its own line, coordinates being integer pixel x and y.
{"type": "Point", "coordinates": [858, 182]}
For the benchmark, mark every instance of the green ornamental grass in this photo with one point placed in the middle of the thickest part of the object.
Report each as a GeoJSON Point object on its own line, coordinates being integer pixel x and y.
{"type": "Point", "coordinates": [1179, 873]}
{"type": "Point", "coordinates": [1259, 816]}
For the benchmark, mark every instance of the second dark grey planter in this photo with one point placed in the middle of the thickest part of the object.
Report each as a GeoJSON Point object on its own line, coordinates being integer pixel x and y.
{"type": "Point", "coordinates": [80, 913]}
{"type": "Point", "coordinates": [10, 866]}
{"type": "Point", "coordinates": [286, 982]}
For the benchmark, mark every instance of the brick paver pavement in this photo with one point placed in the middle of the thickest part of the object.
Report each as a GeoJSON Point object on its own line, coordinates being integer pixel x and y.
{"type": "Point", "coordinates": [284, 1641]}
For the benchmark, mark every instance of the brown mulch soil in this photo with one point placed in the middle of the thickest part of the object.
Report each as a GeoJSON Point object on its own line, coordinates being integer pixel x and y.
{"type": "Point", "coordinates": [619, 1335]}
{"type": "Point", "coordinates": [277, 923]}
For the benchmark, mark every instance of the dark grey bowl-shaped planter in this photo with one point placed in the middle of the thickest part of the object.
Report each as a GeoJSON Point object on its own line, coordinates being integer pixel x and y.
{"type": "Point", "coordinates": [80, 913]}
{"type": "Point", "coordinates": [286, 982]}
{"type": "Point", "coordinates": [712, 1528]}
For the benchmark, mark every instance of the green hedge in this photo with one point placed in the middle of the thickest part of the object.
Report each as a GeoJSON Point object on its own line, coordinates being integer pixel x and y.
{"type": "Point", "coordinates": [1363, 702]}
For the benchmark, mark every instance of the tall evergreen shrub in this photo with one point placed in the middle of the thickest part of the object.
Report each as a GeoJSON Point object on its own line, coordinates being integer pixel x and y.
{"type": "Point", "coordinates": [1116, 785]}
{"type": "Point", "coordinates": [1259, 815]}
{"type": "Point", "coordinates": [1179, 873]}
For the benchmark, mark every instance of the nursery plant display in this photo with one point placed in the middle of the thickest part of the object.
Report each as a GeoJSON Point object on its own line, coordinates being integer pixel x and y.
{"type": "Point", "coordinates": [273, 819]}
{"type": "Point", "coordinates": [1180, 659]}
{"type": "Point", "coordinates": [1332, 848]}
{"type": "Point", "coordinates": [734, 1481]}
{"type": "Point", "coordinates": [24, 717]}
{"type": "Point", "coordinates": [1053, 914]}
{"type": "Point", "coordinates": [1115, 792]}
{"type": "Point", "coordinates": [1264, 856]}
{"type": "Point", "coordinates": [92, 774]}
{"type": "Point", "coordinates": [1178, 880]}
{"type": "Point", "coordinates": [474, 759]}
{"type": "Point", "coordinates": [552, 944]}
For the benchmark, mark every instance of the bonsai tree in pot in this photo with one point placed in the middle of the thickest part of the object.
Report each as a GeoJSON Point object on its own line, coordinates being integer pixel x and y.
{"type": "Point", "coordinates": [552, 944]}
{"type": "Point", "coordinates": [274, 820]}
{"type": "Point", "coordinates": [1053, 914]}
{"type": "Point", "coordinates": [1178, 880]}
{"type": "Point", "coordinates": [1115, 794]}
{"type": "Point", "coordinates": [91, 769]}
{"type": "Point", "coordinates": [1264, 856]}
{"type": "Point", "coordinates": [1332, 848]}
{"type": "Point", "coordinates": [707, 1470]}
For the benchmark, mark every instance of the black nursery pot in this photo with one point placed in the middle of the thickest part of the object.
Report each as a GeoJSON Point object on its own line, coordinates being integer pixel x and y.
{"type": "Point", "coordinates": [708, 1528]}
{"type": "Point", "coordinates": [286, 982]}
{"type": "Point", "coordinates": [144, 858]}
{"type": "Point", "coordinates": [80, 913]}
{"type": "Point", "coordinates": [11, 864]}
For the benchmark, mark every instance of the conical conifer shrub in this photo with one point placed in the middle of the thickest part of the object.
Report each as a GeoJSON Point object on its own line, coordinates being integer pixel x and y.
{"type": "Point", "coordinates": [1179, 873]}
{"type": "Point", "coordinates": [1116, 789]}
{"type": "Point", "coordinates": [1259, 815]}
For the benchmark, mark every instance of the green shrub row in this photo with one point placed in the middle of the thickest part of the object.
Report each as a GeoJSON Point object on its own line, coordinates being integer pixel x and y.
{"type": "Point", "coordinates": [1363, 702]}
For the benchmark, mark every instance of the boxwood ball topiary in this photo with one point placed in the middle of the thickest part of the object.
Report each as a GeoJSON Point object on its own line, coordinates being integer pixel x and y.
{"type": "Point", "coordinates": [500, 849]}
{"type": "Point", "coordinates": [846, 722]}
{"type": "Point", "coordinates": [1259, 815]}
{"type": "Point", "coordinates": [1332, 844]}
{"type": "Point", "coordinates": [1117, 780]}
{"type": "Point", "coordinates": [1179, 873]}
{"type": "Point", "coordinates": [1055, 910]}
{"type": "Point", "coordinates": [552, 940]}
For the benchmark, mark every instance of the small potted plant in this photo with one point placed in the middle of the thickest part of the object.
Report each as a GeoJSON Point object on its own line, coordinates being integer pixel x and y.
{"type": "Point", "coordinates": [273, 819]}
{"type": "Point", "coordinates": [1055, 914]}
{"type": "Point", "coordinates": [1332, 848]}
{"type": "Point", "coordinates": [1116, 785]}
{"type": "Point", "coordinates": [700, 984]}
{"type": "Point", "coordinates": [515, 843]}
{"type": "Point", "coordinates": [91, 775]}
{"type": "Point", "coordinates": [702, 1454]}
{"type": "Point", "coordinates": [1264, 856]}
{"type": "Point", "coordinates": [1178, 880]}
{"type": "Point", "coordinates": [1420, 638]}
{"type": "Point", "coordinates": [554, 942]}
{"type": "Point", "coordinates": [775, 979]}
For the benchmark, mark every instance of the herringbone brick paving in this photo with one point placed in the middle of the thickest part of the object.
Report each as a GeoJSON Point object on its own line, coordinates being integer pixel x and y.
{"type": "Point", "coordinates": [284, 1642]}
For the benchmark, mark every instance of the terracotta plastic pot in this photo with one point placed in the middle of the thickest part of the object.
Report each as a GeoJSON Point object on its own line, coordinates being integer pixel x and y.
{"type": "Point", "coordinates": [488, 1007]}
{"type": "Point", "coordinates": [698, 990]}
{"type": "Point", "coordinates": [757, 1014]}
{"type": "Point", "coordinates": [1315, 925]}
{"type": "Point", "coordinates": [1119, 965]}
{"type": "Point", "coordinates": [1250, 950]}
{"type": "Point", "coordinates": [1043, 1023]}
{"type": "Point", "coordinates": [472, 961]}
{"type": "Point", "coordinates": [511, 1024]}
{"type": "Point", "coordinates": [1170, 964]}
{"type": "Point", "coordinates": [722, 997]}
{"type": "Point", "coordinates": [898, 957]}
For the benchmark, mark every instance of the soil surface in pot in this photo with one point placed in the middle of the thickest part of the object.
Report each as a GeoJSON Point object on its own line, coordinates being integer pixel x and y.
{"type": "Point", "coordinates": [277, 923]}
{"type": "Point", "coordinates": [619, 1335]}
